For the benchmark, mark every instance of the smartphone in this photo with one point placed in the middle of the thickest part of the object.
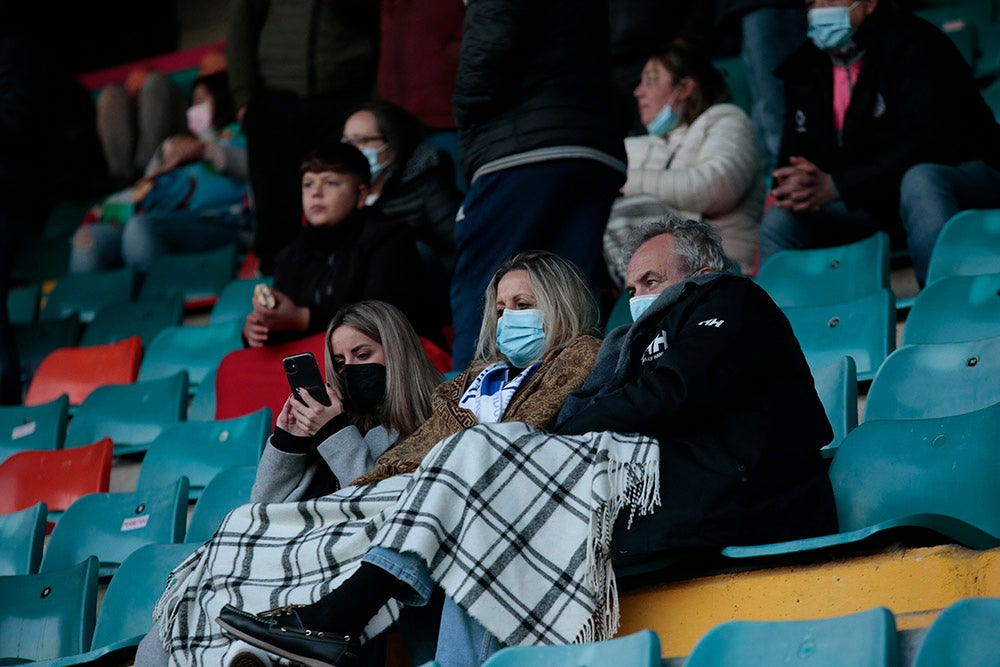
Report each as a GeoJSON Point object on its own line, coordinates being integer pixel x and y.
{"type": "Point", "coordinates": [302, 371]}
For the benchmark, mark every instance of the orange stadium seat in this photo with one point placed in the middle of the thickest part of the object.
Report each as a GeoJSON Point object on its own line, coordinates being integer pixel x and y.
{"type": "Point", "coordinates": [77, 371]}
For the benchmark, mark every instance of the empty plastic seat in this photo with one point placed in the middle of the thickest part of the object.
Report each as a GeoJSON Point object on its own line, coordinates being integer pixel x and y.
{"type": "Point", "coordinates": [22, 303]}
{"type": "Point", "coordinates": [837, 386]}
{"type": "Point", "coordinates": [864, 329]}
{"type": "Point", "coordinates": [935, 474]}
{"type": "Point", "coordinates": [827, 275]}
{"type": "Point", "coordinates": [641, 649]}
{"type": "Point", "coordinates": [22, 536]}
{"type": "Point", "coordinates": [40, 426]}
{"type": "Point", "coordinates": [236, 300]}
{"type": "Point", "coordinates": [963, 635]}
{"type": "Point", "coordinates": [195, 349]}
{"type": "Point", "coordinates": [200, 450]}
{"type": "Point", "coordinates": [936, 380]}
{"type": "Point", "coordinates": [228, 490]}
{"type": "Point", "coordinates": [734, 70]}
{"type": "Point", "coordinates": [47, 615]}
{"type": "Point", "coordinates": [865, 639]}
{"type": "Point", "coordinates": [202, 405]}
{"type": "Point", "coordinates": [86, 293]}
{"type": "Point", "coordinates": [968, 245]}
{"type": "Point", "coordinates": [113, 525]}
{"type": "Point", "coordinates": [132, 415]}
{"type": "Point", "coordinates": [134, 318]}
{"type": "Point", "coordinates": [77, 371]}
{"type": "Point", "coordinates": [56, 478]}
{"type": "Point", "coordinates": [197, 277]}
{"type": "Point", "coordinates": [36, 340]}
{"type": "Point", "coordinates": [955, 309]}
{"type": "Point", "coordinates": [620, 313]}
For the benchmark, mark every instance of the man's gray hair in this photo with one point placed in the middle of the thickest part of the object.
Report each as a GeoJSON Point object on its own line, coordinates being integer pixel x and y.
{"type": "Point", "coordinates": [695, 243]}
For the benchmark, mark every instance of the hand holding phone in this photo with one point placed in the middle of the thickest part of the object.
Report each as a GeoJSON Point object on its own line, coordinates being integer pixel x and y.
{"type": "Point", "coordinates": [302, 372]}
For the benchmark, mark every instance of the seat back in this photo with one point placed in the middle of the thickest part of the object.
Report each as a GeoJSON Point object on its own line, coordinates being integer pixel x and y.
{"type": "Point", "coordinates": [56, 477]}
{"type": "Point", "coordinates": [197, 277]}
{"type": "Point", "coordinates": [113, 525]}
{"type": "Point", "coordinates": [864, 329]}
{"type": "Point", "coordinates": [968, 245]}
{"type": "Point", "coordinates": [22, 303]}
{"type": "Point", "coordinates": [202, 405]}
{"type": "Point", "coordinates": [864, 639]}
{"type": "Point", "coordinates": [200, 450]}
{"type": "Point", "coordinates": [936, 380]}
{"type": "Point", "coordinates": [228, 490]}
{"type": "Point", "coordinates": [36, 340]}
{"type": "Point", "coordinates": [22, 535]}
{"type": "Point", "coordinates": [940, 473]}
{"type": "Point", "coordinates": [132, 415]}
{"type": "Point", "coordinates": [250, 379]}
{"type": "Point", "coordinates": [837, 386]}
{"type": "Point", "coordinates": [963, 635]}
{"type": "Point", "coordinates": [48, 615]}
{"type": "Point", "coordinates": [86, 293]}
{"type": "Point", "coordinates": [827, 275]}
{"type": "Point", "coordinates": [40, 426]}
{"type": "Point", "coordinates": [127, 608]}
{"type": "Point", "coordinates": [620, 314]}
{"type": "Point", "coordinates": [955, 309]}
{"type": "Point", "coordinates": [195, 349]}
{"type": "Point", "coordinates": [236, 300]}
{"type": "Point", "coordinates": [641, 649]}
{"type": "Point", "coordinates": [145, 319]}
{"type": "Point", "coordinates": [77, 371]}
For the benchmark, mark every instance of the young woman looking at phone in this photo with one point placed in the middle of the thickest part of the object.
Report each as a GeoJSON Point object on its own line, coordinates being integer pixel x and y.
{"type": "Point", "coordinates": [379, 384]}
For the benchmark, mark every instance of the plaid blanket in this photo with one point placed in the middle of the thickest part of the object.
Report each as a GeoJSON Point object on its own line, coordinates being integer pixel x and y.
{"type": "Point", "coordinates": [514, 523]}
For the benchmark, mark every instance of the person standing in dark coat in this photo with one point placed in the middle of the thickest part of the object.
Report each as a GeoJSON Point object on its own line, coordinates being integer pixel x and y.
{"type": "Point", "coordinates": [539, 140]}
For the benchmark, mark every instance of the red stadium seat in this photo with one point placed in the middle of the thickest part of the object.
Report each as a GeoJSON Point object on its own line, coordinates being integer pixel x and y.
{"type": "Point", "coordinates": [77, 371]}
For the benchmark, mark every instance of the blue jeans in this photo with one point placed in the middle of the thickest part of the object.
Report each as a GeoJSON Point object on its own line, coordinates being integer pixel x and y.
{"type": "Point", "coordinates": [769, 36]}
{"type": "Point", "coordinates": [932, 193]}
{"type": "Point", "coordinates": [831, 225]}
{"type": "Point", "coordinates": [462, 641]}
{"type": "Point", "coordinates": [560, 205]}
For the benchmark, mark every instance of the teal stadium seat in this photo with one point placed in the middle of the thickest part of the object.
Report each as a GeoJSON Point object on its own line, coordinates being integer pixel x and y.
{"type": "Point", "coordinates": [145, 319]}
{"type": "Point", "coordinates": [132, 415]}
{"type": "Point", "coordinates": [955, 309]}
{"type": "Point", "coordinates": [202, 405]}
{"type": "Point", "coordinates": [968, 245]}
{"type": "Point", "coordinates": [236, 300]}
{"type": "Point", "coordinates": [641, 649]}
{"type": "Point", "coordinates": [113, 525]}
{"type": "Point", "coordinates": [837, 386]}
{"type": "Point", "coordinates": [22, 303]}
{"type": "Point", "coordinates": [200, 450]}
{"type": "Point", "coordinates": [734, 71]}
{"type": "Point", "coordinates": [22, 537]}
{"type": "Point", "coordinates": [936, 380]}
{"type": "Point", "coordinates": [963, 635]}
{"type": "Point", "coordinates": [48, 615]}
{"type": "Point", "coordinates": [36, 340]}
{"type": "Point", "coordinates": [938, 474]}
{"type": "Point", "coordinates": [620, 314]}
{"type": "Point", "coordinates": [864, 329]}
{"type": "Point", "coordinates": [36, 427]}
{"type": "Point", "coordinates": [195, 349]}
{"type": "Point", "coordinates": [864, 639]}
{"type": "Point", "coordinates": [827, 275]}
{"type": "Point", "coordinates": [198, 277]}
{"type": "Point", "coordinates": [86, 293]}
{"type": "Point", "coordinates": [228, 490]}
{"type": "Point", "coordinates": [126, 613]}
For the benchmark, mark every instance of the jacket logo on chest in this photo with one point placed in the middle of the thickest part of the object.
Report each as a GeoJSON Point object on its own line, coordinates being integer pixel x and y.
{"type": "Point", "coordinates": [655, 349]}
{"type": "Point", "coordinates": [800, 122]}
{"type": "Point", "coordinates": [714, 322]}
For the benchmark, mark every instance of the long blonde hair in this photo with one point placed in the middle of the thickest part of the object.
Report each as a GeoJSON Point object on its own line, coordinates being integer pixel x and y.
{"type": "Point", "coordinates": [410, 375]}
{"type": "Point", "coordinates": [562, 294]}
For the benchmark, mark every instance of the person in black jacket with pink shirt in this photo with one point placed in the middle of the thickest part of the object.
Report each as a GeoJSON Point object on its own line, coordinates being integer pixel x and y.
{"type": "Point", "coordinates": [712, 370]}
{"type": "Point", "coordinates": [346, 252]}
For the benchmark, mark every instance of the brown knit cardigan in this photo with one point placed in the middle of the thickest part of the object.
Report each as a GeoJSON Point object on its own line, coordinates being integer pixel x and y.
{"type": "Point", "coordinates": [537, 402]}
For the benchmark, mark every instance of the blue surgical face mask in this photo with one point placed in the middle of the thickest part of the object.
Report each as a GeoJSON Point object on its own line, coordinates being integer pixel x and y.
{"type": "Point", "coordinates": [665, 120]}
{"type": "Point", "coordinates": [638, 305]}
{"type": "Point", "coordinates": [373, 163]}
{"type": "Point", "coordinates": [520, 335]}
{"type": "Point", "coordinates": [830, 27]}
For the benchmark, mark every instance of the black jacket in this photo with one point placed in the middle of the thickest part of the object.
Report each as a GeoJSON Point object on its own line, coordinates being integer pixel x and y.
{"type": "Point", "coordinates": [367, 256]}
{"type": "Point", "coordinates": [534, 74]}
{"type": "Point", "coordinates": [915, 101]}
{"type": "Point", "coordinates": [720, 381]}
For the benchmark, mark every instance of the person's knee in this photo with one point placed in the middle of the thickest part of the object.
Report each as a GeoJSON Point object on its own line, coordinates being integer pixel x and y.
{"type": "Point", "coordinates": [921, 179]}
{"type": "Point", "coordinates": [139, 242]}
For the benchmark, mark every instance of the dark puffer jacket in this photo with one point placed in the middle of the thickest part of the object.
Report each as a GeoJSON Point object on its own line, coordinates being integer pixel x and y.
{"type": "Point", "coordinates": [534, 74]}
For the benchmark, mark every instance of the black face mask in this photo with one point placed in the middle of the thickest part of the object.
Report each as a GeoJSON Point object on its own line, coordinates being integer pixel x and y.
{"type": "Point", "coordinates": [364, 385]}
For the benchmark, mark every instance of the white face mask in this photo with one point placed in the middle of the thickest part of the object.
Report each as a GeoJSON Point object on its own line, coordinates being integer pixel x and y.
{"type": "Point", "coordinates": [199, 119]}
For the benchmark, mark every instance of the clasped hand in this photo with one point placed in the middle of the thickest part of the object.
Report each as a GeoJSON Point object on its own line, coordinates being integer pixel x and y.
{"type": "Point", "coordinates": [802, 186]}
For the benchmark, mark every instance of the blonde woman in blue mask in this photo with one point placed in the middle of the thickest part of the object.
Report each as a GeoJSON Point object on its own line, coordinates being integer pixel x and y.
{"type": "Point", "coordinates": [700, 159]}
